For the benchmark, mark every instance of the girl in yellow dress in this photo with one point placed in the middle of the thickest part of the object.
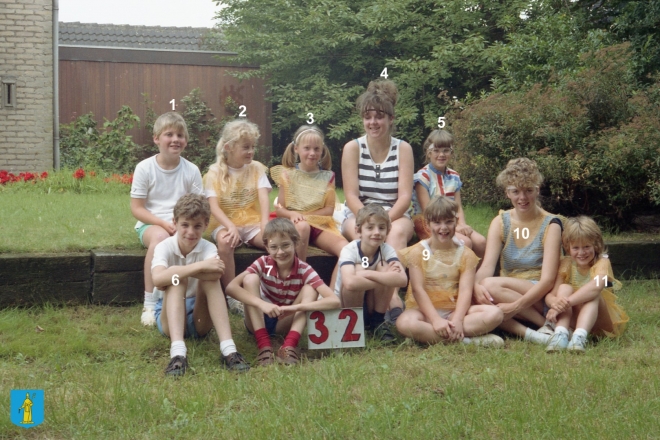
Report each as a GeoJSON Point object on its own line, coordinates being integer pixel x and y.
{"type": "Point", "coordinates": [237, 188]}
{"type": "Point", "coordinates": [442, 272]}
{"type": "Point", "coordinates": [307, 192]}
{"type": "Point", "coordinates": [582, 297]}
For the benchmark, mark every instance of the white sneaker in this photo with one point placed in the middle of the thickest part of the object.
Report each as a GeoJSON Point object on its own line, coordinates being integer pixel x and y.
{"type": "Point", "coordinates": [148, 317]}
{"type": "Point", "coordinates": [487, 340]}
{"type": "Point", "coordinates": [536, 337]}
{"type": "Point", "coordinates": [235, 307]}
{"type": "Point", "coordinates": [578, 344]}
{"type": "Point", "coordinates": [558, 342]}
{"type": "Point", "coordinates": [547, 329]}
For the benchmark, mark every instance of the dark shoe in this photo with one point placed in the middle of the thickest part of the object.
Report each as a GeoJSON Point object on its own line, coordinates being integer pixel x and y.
{"type": "Point", "coordinates": [235, 362]}
{"type": "Point", "coordinates": [177, 366]}
{"type": "Point", "coordinates": [288, 355]}
{"type": "Point", "coordinates": [265, 357]}
{"type": "Point", "coordinates": [384, 333]}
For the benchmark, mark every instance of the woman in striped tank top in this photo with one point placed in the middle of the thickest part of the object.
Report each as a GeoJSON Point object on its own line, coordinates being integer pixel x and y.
{"type": "Point", "coordinates": [527, 240]}
{"type": "Point", "coordinates": [378, 168]}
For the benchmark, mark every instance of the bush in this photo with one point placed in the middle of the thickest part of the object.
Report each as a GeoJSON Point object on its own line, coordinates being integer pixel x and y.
{"type": "Point", "coordinates": [594, 135]}
{"type": "Point", "coordinates": [82, 145]}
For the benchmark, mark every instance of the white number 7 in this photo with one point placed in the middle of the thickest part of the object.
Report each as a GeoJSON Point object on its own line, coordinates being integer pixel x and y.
{"type": "Point", "coordinates": [269, 269]}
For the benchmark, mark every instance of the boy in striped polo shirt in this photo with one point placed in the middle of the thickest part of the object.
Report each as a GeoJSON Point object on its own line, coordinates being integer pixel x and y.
{"type": "Point", "coordinates": [277, 289]}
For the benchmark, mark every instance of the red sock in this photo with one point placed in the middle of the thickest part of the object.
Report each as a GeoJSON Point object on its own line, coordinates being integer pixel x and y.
{"type": "Point", "coordinates": [262, 337]}
{"type": "Point", "coordinates": [291, 339]}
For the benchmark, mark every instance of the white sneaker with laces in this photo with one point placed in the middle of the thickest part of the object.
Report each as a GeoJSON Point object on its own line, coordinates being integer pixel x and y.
{"type": "Point", "coordinates": [148, 317]}
{"type": "Point", "coordinates": [578, 344]}
{"type": "Point", "coordinates": [487, 340]}
{"type": "Point", "coordinates": [547, 329]}
{"type": "Point", "coordinates": [235, 307]}
{"type": "Point", "coordinates": [558, 342]}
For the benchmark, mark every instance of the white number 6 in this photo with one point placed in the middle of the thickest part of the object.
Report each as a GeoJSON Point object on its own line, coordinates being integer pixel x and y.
{"type": "Point", "coordinates": [175, 280]}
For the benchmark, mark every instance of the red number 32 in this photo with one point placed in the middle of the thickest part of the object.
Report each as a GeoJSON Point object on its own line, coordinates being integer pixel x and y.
{"type": "Point", "coordinates": [319, 325]}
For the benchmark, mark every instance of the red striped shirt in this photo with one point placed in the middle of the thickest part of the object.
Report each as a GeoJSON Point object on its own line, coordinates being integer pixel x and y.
{"type": "Point", "coordinates": [283, 292]}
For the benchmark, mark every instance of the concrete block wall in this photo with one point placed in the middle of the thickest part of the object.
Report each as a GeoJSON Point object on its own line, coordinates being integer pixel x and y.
{"type": "Point", "coordinates": [26, 55]}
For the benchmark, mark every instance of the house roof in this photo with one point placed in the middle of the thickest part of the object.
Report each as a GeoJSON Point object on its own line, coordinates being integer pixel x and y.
{"type": "Point", "coordinates": [137, 37]}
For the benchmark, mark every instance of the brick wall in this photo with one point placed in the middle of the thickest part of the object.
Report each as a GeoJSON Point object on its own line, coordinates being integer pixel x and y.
{"type": "Point", "coordinates": [26, 55]}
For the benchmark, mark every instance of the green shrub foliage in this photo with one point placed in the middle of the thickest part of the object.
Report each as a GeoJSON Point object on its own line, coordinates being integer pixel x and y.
{"type": "Point", "coordinates": [595, 137]}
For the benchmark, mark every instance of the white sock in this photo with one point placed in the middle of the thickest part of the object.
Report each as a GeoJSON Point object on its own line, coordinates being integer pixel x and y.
{"type": "Point", "coordinates": [560, 329]}
{"type": "Point", "coordinates": [178, 348]}
{"type": "Point", "coordinates": [580, 332]}
{"type": "Point", "coordinates": [228, 347]}
{"type": "Point", "coordinates": [536, 337]}
{"type": "Point", "coordinates": [149, 300]}
{"type": "Point", "coordinates": [467, 340]}
{"type": "Point", "coordinates": [549, 324]}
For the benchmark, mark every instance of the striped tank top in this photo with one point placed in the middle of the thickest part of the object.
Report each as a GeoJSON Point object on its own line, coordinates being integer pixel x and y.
{"type": "Point", "coordinates": [379, 183]}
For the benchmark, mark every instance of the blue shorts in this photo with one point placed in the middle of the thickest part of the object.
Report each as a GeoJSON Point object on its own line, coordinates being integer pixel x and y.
{"type": "Point", "coordinates": [271, 324]}
{"type": "Point", "coordinates": [190, 331]}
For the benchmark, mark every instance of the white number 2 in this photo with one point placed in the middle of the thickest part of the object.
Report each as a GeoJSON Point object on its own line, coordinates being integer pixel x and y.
{"type": "Point", "coordinates": [243, 109]}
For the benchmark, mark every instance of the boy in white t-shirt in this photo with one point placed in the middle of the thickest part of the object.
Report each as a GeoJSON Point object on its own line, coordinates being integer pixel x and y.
{"type": "Point", "coordinates": [370, 271]}
{"type": "Point", "coordinates": [158, 182]}
{"type": "Point", "coordinates": [187, 268]}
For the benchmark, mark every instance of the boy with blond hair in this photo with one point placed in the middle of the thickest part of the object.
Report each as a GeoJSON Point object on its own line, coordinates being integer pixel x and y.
{"type": "Point", "coordinates": [158, 182]}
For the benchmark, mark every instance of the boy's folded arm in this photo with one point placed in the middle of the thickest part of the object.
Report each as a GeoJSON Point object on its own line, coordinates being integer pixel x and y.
{"type": "Point", "coordinates": [355, 280]}
{"type": "Point", "coordinates": [164, 276]}
{"type": "Point", "coordinates": [389, 278]}
{"type": "Point", "coordinates": [328, 302]}
{"type": "Point", "coordinates": [235, 290]}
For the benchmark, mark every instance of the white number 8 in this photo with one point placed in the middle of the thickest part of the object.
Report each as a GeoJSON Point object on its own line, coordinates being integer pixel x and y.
{"type": "Point", "coordinates": [365, 262]}
{"type": "Point", "coordinates": [426, 255]}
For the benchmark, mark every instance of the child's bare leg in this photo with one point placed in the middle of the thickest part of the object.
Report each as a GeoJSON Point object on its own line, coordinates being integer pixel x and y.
{"type": "Point", "coordinates": [298, 321]}
{"type": "Point", "coordinates": [211, 310]}
{"type": "Point", "coordinates": [348, 229]}
{"type": "Point", "coordinates": [588, 314]}
{"type": "Point", "coordinates": [173, 315]}
{"type": "Point", "coordinates": [507, 290]}
{"type": "Point", "coordinates": [603, 320]}
{"type": "Point", "coordinates": [413, 324]}
{"type": "Point", "coordinates": [226, 254]}
{"type": "Point", "coordinates": [478, 244]}
{"type": "Point", "coordinates": [303, 229]}
{"type": "Point", "coordinates": [333, 245]}
{"type": "Point", "coordinates": [254, 317]}
{"type": "Point", "coordinates": [481, 319]}
{"type": "Point", "coordinates": [152, 236]}
{"type": "Point", "coordinates": [258, 240]}
{"type": "Point", "coordinates": [564, 319]}
{"type": "Point", "coordinates": [398, 237]}
{"type": "Point", "coordinates": [465, 239]}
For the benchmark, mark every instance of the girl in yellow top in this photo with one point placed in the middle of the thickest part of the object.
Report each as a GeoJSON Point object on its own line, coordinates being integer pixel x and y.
{"type": "Point", "coordinates": [237, 188]}
{"type": "Point", "coordinates": [307, 192]}
{"type": "Point", "coordinates": [440, 291]}
{"type": "Point", "coordinates": [582, 297]}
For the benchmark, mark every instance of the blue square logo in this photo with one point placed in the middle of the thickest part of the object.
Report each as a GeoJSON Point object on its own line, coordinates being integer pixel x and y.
{"type": "Point", "coordinates": [27, 408]}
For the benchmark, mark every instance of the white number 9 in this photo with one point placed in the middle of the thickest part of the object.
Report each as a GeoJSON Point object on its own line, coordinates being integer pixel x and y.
{"type": "Point", "coordinates": [426, 255]}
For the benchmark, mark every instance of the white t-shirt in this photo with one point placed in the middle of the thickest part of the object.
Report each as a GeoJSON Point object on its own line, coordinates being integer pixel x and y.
{"type": "Point", "coordinates": [167, 253]}
{"type": "Point", "coordinates": [209, 189]}
{"type": "Point", "coordinates": [163, 188]}
{"type": "Point", "coordinates": [352, 254]}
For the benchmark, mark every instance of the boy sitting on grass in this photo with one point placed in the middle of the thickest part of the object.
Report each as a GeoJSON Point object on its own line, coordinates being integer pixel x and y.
{"type": "Point", "coordinates": [188, 269]}
{"type": "Point", "coordinates": [370, 271]}
{"type": "Point", "coordinates": [158, 182]}
{"type": "Point", "coordinates": [277, 290]}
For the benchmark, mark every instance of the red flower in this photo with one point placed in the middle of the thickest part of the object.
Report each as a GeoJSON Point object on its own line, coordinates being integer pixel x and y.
{"type": "Point", "coordinates": [79, 174]}
{"type": "Point", "coordinates": [44, 175]}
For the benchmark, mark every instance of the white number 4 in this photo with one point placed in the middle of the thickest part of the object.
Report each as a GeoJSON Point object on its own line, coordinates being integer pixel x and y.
{"type": "Point", "coordinates": [604, 278]}
{"type": "Point", "coordinates": [384, 73]}
{"type": "Point", "coordinates": [269, 269]}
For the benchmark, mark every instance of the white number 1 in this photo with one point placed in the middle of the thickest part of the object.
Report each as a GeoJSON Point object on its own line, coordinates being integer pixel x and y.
{"type": "Point", "coordinates": [173, 102]}
{"type": "Point", "coordinates": [604, 278]}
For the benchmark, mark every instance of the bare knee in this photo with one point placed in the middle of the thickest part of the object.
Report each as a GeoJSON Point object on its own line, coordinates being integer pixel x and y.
{"type": "Point", "coordinates": [303, 228]}
{"type": "Point", "coordinates": [565, 290]}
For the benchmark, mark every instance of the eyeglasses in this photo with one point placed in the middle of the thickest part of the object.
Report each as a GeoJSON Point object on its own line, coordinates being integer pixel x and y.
{"type": "Point", "coordinates": [444, 151]}
{"type": "Point", "coordinates": [285, 247]}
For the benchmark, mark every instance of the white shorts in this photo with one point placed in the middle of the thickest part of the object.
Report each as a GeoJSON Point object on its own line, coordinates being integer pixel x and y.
{"type": "Point", "coordinates": [444, 313]}
{"type": "Point", "coordinates": [245, 233]}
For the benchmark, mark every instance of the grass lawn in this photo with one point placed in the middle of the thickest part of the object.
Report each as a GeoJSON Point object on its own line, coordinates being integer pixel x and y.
{"type": "Point", "coordinates": [102, 374]}
{"type": "Point", "coordinates": [70, 222]}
